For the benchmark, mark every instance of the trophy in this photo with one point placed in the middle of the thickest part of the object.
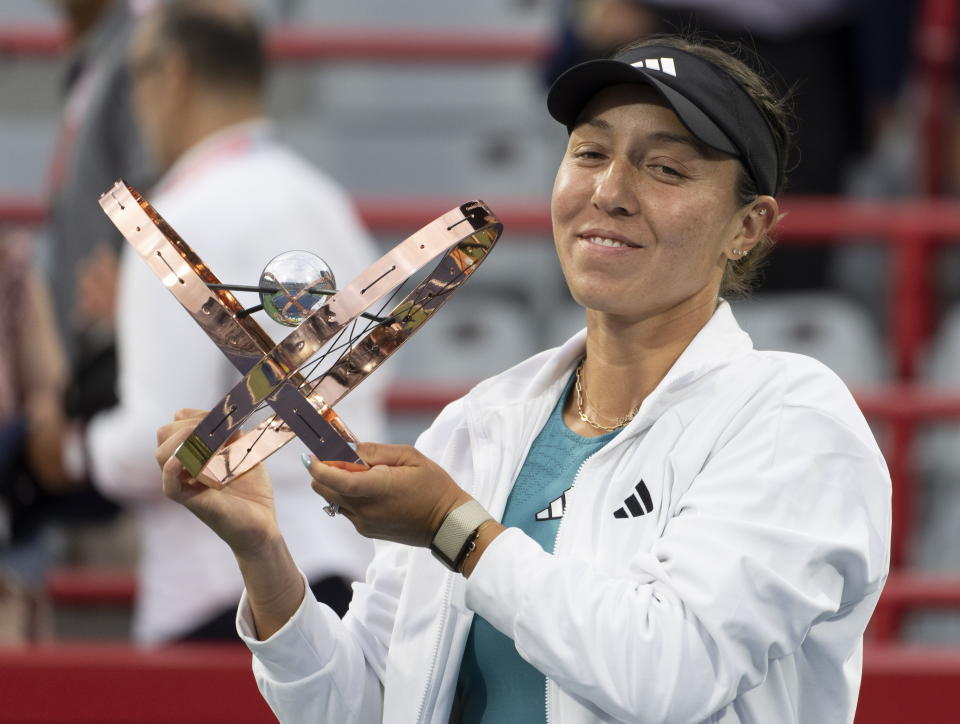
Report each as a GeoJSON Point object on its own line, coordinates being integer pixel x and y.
{"type": "Point", "coordinates": [298, 290]}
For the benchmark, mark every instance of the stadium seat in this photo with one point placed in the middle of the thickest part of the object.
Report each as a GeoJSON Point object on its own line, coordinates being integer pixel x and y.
{"type": "Point", "coordinates": [823, 325]}
{"type": "Point", "coordinates": [473, 337]}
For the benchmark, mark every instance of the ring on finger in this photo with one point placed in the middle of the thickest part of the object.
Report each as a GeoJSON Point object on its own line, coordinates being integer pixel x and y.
{"type": "Point", "coordinates": [332, 509]}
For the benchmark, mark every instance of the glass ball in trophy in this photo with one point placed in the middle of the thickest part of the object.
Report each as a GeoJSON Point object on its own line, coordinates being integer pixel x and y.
{"type": "Point", "coordinates": [298, 279]}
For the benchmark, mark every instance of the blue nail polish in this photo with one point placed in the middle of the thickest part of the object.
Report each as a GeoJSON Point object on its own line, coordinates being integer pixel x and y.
{"type": "Point", "coordinates": [305, 459]}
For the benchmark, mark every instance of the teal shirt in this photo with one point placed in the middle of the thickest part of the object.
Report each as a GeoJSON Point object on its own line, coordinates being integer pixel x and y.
{"type": "Point", "coordinates": [496, 686]}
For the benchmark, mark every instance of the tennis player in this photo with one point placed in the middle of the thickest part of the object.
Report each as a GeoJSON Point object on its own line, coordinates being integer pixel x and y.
{"type": "Point", "coordinates": [653, 522]}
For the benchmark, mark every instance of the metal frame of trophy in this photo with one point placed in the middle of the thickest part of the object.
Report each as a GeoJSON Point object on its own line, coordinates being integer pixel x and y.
{"type": "Point", "coordinates": [218, 450]}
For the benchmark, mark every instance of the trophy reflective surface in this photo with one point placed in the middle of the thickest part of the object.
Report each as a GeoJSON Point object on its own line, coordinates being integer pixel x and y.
{"type": "Point", "coordinates": [293, 284]}
{"type": "Point", "coordinates": [296, 288]}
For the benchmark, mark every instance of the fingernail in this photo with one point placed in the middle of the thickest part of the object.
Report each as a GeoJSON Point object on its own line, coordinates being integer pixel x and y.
{"type": "Point", "coordinates": [353, 445]}
{"type": "Point", "coordinates": [305, 459]}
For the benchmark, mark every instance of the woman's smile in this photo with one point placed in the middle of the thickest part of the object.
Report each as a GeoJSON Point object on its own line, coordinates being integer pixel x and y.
{"type": "Point", "coordinates": [607, 239]}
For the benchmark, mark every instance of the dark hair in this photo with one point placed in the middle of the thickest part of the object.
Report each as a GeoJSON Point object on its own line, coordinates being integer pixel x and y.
{"type": "Point", "coordinates": [741, 274]}
{"type": "Point", "coordinates": [222, 49]}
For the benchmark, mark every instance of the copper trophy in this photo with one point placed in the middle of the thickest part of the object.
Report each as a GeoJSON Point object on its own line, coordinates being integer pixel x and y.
{"type": "Point", "coordinates": [273, 371]}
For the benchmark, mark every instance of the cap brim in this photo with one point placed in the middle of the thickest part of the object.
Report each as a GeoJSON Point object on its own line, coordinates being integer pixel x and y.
{"type": "Point", "coordinates": [572, 91]}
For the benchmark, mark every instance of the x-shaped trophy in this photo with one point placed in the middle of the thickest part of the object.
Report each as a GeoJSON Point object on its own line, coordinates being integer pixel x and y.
{"type": "Point", "coordinates": [271, 371]}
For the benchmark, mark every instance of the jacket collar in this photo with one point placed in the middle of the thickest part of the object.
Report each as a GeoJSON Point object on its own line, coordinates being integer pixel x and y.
{"type": "Point", "coordinates": [720, 341]}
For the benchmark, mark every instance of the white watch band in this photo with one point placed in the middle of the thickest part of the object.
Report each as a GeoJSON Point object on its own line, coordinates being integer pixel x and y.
{"type": "Point", "coordinates": [456, 533]}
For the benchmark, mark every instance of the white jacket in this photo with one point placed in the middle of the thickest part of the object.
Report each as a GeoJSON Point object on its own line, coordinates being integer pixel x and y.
{"type": "Point", "coordinates": [742, 595]}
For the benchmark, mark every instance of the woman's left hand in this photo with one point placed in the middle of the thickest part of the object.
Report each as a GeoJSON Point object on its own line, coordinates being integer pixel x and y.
{"type": "Point", "coordinates": [403, 497]}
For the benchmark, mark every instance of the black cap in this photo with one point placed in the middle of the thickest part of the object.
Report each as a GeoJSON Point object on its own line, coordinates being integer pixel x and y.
{"type": "Point", "coordinates": [709, 102]}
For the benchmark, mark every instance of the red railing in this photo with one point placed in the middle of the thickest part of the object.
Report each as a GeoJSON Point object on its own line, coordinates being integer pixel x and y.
{"type": "Point", "coordinates": [114, 684]}
{"type": "Point", "coordinates": [911, 230]}
{"type": "Point", "coordinates": [290, 45]}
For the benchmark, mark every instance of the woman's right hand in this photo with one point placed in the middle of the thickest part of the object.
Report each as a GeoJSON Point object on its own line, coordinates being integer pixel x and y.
{"type": "Point", "coordinates": [242, 513]}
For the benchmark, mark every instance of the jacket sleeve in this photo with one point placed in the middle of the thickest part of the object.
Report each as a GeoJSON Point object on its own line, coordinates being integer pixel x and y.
{"type": "Point", "coordinates": [319, 668]}
{"type": "Point", "coordinates": [784, 526]}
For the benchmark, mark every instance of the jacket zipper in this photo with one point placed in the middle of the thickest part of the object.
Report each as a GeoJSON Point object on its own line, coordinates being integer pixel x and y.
{"type": "Point", "coordinates": [444, 612]}
{"type": "Point", "coordinates": [556, 541]}
{"type": "Point", "coordinates": [441, 630]}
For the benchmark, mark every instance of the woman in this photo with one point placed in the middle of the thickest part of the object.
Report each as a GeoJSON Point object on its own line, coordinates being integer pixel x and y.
{"type": "Point", "coordinates": [691, 530]}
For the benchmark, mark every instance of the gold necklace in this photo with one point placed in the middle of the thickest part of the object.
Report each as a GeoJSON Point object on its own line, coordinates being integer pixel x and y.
{"type": "Point", "coordinates": [620, 421]}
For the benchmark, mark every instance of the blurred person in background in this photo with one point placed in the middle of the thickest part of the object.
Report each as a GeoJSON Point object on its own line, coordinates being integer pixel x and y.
{"type": "Point", "coordinates": [32, 381]}
{"type": "Point", "coordinates": [58, 349]}
{"type": "Point", "coordinates": [592, 29]}
{"type": "Point", "coordinates": [98, 142]}
{"type": "Point", "coordinates": [238, 197]}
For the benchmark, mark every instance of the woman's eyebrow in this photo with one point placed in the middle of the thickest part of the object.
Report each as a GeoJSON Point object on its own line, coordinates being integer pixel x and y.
{"type": "Point", "coordinates": [700, 148]}
{"type": "Point", "coordinates": [593, 122]}
{"type": "Point", "coordinates": [667, 137]}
